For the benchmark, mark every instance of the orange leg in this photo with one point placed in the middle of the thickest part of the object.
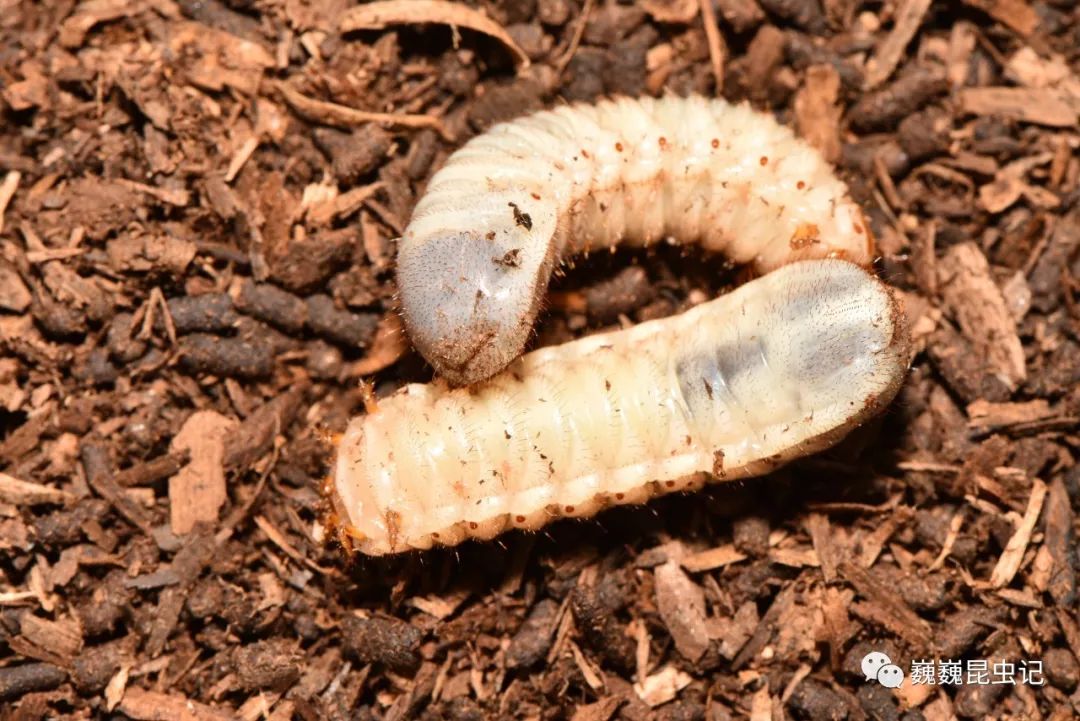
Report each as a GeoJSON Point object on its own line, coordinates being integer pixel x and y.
{"type": "Point", "coordinates": [367, 395]}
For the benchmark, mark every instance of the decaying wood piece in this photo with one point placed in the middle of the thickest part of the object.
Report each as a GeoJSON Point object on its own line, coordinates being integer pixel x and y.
{"type": "Point", "coordinates": [1044, 106]}
{"type": "Point", "coordinates": [817, 114]}
{"type": "Point", "coordinates": [909, 17]}
{"type": "Point", "coordinates": [975, 301]}
{"type": "Point", "coordinates": [197, 492]}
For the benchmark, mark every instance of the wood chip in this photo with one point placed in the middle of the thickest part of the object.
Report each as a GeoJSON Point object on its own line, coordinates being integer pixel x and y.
{"type": "Point", "coordinates": [681, 604]}
{"type": "Point", "coordinates": [197, 493]}
{"type": "Point", "coordinates": [1015, 14]}
{"type": "Point", "coordinates": [63, 639]}
{"type": "Point", "coordinates": [962, 41]}
{"type": "Point", "coordinates": [215, 59]}
{"type": "Point", "coordinates": [1044, 106]}
{"type": "Point", "coordinates": [99, 475]}
{"type": "Point", "coordinates": [676, 12]}
{"type": "Point", "coordinates": [602, 710]}
{"type": "Point", "coordinates": [884, 606]}
{"type": "Point", "coordinates": [144, 705]}
{"type": "Point", "coordinates": [780, 608]}
{"type": "Point", "coordinates": [389, 345]}
{"type": "Point", "coordinates": [795, 557]}
{"type": "Point", "coordinates": [114, 691]}
{"type": "Point", "coordinates": [383, 13]}
{"type": "Point", "coordinates": [913, 695]}
{"type": "Point", "coordinates": [353, 199]}
{"type": "Point", "coordinates": [908, 18]}
{"type": "Point", "coordinates": [817, 111]}
{"type": "Point", "coordinates": [837, 623]}
{"type": "Point", "coordinates": [975, 301]}
{"type": "Point", "coordinates": [985, 417]}
{"type": "Point", "coordinates": [1010, 184]}
{"type": "Point", "coordinates": [712, 558]}
{"type": "Point", "coordinates": [1060, 544]}
{"type": "Point", "coordinates": [14, 295]}
{"type": "Point", "coordinates": [7, 191]}
{"type": "Point", "coordinates": [592, 674]}
{"type": "Point", "coordinates": [240, 158]}
{"type": "Point", "coordinates": [955, 524]}
{"type": "Point", "coordinates": [828, 553]}
{"type": "Point", "coordinates": [876, 540]}
{"type": "Point", "coordinates": [1027, 67]}
{"type": "Point", "coordinates": [26, 493]}
{"type": "Point", "coordinates": [280, 540]}
{"type": "Point", "coordinates": [1023, 598]}
{"type": "Point", "coordinates": [51, 254]}
{"type": "Point", "coordinates": [440, 606]}
{"type": "Point", "coordinates": [74, 29]}
{"type": "Point", "coordinates": [733, 633]}
{"type": "Point", "coordinates": [662, 686]}
{"type": "Point", "coordinates": [1009, 562]}
{"type": "Point", "coordinates": [761, 705]}
{"type": "Point", "coordinates": [173, 196]}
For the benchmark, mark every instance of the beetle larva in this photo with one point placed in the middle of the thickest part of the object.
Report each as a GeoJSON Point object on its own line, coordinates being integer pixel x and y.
{"type": "Point", "coordinates": [475, 259]}
{"type": "Point", "coordinates": [779, 368]}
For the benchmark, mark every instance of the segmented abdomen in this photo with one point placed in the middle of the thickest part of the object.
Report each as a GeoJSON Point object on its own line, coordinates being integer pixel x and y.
{"type": "Point", "coordinates": [781, 367]}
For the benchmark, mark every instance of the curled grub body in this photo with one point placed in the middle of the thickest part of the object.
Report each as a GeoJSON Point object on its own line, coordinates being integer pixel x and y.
{"type": "Point", "coordinates": [505, 209]}
{"type": "Point", "coordinates": [779, 368]}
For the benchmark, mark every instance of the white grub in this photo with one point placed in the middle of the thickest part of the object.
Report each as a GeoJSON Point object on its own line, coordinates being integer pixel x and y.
{"type": "Point", "coordinates": [779, 368]}
{"type": "Point", "coordinates": [514, 202]}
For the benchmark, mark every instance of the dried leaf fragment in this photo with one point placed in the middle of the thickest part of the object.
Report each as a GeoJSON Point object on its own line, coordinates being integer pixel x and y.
{"type": "Point", "coordinates": [378, 15]}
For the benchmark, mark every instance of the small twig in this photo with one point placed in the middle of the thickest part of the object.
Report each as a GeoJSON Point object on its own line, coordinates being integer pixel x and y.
{"type": "Point", "coordinates": [575, 41]}
{"type": "Point", "coordinates": [337, 115]}
{"type": "Point", "coordinates": [716, 43]}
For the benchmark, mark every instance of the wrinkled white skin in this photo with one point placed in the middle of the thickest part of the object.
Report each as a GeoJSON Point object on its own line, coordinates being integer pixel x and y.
{"type": "Point", "coordinates": [472, 269]}
{"type": "Point", "coordinates": [779, 368]}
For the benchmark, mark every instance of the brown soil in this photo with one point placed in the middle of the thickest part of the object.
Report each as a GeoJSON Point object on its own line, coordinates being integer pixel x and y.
{"type": "Point", "coordinates": [197, 208]}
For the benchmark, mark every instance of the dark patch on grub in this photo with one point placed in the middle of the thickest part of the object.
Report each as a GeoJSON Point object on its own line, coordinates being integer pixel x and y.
{"type": "Point", "coordinates": [521, 218]}
{"type": "Point", "coordinates": [718, 464]}
{"type": "Point", "coordinates": [511, 259]}
{"type": "Point", "coordinates": [393, 528]}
